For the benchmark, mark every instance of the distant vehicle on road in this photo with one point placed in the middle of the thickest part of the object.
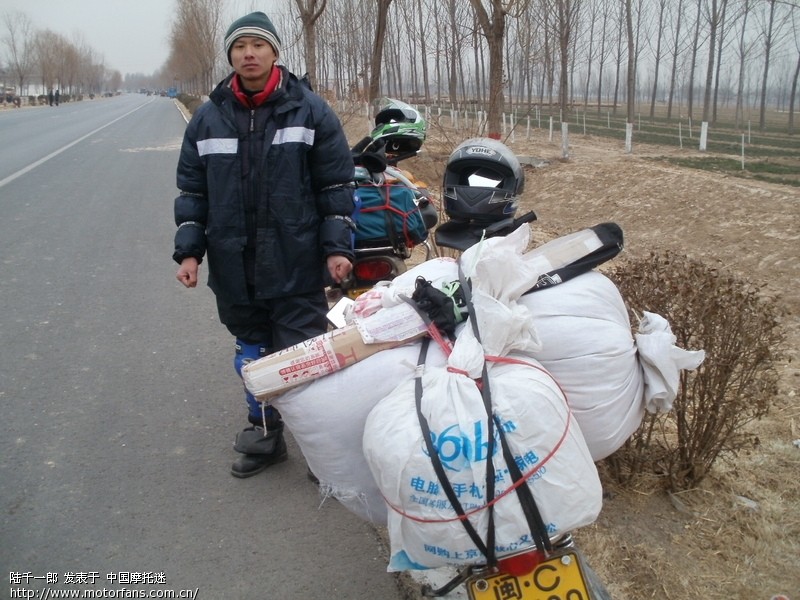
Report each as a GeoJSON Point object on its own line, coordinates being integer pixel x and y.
{"type": "Point", "coordinates": [10, 96]}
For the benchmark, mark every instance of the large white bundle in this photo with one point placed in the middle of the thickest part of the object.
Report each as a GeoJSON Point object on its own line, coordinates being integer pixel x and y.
{"type": "Point", "coordinates": [578, 330]}
{"type": "Point", "coordinates": [544, 438]}
{"type": "Point", "coordinates": [327, 416]}
{"type": "Point", "coordinates": [587, 345]}
{"type": "Point", "coordinates": [327, 419]}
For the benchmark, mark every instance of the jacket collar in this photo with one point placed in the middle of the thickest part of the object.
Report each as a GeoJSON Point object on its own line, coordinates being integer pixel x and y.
{"type": "Point", "coordinates": [286, 96]}
{"type": "Point", "coordinates": [257, 99]}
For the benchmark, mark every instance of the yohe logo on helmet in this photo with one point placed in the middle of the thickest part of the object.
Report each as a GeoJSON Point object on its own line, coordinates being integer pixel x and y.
{"type": "Point", "coordinates": [480, 150]}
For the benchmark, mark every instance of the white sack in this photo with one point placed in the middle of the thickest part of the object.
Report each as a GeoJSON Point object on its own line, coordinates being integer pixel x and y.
{"type": "Point", "coordinates": [385, 294]}
{"type": "Point", "coordinates": [327, 419]}
{"type": "Point", "coordinates": [662, 362]}
{"type": "Point", "coordinates": [587, 345]}
{"type": "Point", "coordinates": [536, 420]}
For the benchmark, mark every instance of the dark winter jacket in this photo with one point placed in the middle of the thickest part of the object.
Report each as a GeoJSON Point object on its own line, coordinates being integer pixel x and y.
{"type": "Point", "coordinates": [273, 184]}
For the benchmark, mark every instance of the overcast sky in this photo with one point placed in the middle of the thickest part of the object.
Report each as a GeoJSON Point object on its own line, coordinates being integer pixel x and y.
{"type": "Point", "coordinates": [130, 35]}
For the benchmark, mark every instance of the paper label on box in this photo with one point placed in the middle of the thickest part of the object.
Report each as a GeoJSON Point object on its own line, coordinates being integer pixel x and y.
{"type": "Point", "coordinates": [318, 359]}
{"type": "Point", "coordinates": [392, 324]}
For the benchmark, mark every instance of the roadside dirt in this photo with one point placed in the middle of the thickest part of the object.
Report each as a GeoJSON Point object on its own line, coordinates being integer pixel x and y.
{"type": "Point", "coordinates": [739, 535]}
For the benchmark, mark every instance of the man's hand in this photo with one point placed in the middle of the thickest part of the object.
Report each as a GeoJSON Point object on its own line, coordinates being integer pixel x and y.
{"type": "Point", "coordinates": [339, 267]}
{"type": "Point", "coordinates": [187, 272]}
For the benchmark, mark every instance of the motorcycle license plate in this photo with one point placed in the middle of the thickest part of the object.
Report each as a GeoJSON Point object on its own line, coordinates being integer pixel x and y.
{"type": "Point", "coordinates": [558, 578]}
{"type": "Point", "coordinates": [354, 293]}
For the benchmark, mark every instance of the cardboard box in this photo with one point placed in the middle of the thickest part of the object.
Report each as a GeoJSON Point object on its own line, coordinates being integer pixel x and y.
{"type": "Point", "coordinates": [332, 351]}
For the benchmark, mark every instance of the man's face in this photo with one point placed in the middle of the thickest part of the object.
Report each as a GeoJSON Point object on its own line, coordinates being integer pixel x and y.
{"type": "Point", "coordinates": [252, 59]}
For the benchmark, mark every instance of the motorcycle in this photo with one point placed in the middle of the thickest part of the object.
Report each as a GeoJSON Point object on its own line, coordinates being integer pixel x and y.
{"type": "Point", "coordinates": [395, 213]}
{"type": "Point", "coordinates": [562, 572]}
{"type": "Point", "coordinates": [482, 184]}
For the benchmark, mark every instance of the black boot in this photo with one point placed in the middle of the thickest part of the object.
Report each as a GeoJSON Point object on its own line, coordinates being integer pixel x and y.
{"type": "Point", "coordinates": [259, 450]}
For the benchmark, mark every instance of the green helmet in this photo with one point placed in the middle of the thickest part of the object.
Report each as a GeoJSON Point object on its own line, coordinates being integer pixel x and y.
{"type": "Point", "coordinates": [400, 126]}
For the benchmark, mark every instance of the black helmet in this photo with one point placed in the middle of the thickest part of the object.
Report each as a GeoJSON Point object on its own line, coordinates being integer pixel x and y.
{"type": "Point", "coordinates": [482, 182]}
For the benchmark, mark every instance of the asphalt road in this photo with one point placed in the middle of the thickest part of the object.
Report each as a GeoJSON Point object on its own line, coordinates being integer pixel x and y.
{"type": "Point", "coordinates": [119, 399]}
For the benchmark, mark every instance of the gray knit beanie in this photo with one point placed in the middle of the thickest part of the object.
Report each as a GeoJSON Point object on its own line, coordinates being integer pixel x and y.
{"type": "Point", "coordinates": [255, 24]}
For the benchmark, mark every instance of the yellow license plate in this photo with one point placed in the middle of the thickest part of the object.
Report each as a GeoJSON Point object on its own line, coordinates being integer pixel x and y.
{"type": "Point", "coordinates": [558, 578]}
{"type": "Point", "coordinates": [354, 293]}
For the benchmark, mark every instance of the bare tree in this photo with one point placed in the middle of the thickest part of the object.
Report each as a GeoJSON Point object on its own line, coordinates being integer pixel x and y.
{"type": "Point", "coordinates": [377, 49]}
{"type": "Point", "coordinates": [548, 68]}
{"type": "Point", "coordinates": [422, 36]}
{"type": "Point", "coordinates": [310, 11]}
{"type": "Point", "coordinates": [744, 48]}
{"type": "Point", "coordinates": [453, 51]}
{"type": "Point", "coordinates": [621, 26]}
{"type": "Point", "coordinates": [657, 57]}
{"type": "Point", "coordinates": [594, 12]}
{"type": "Point", "coordinates": [494, 28]}
{"type": "Point", "coordinates": [407, 60]}
{"type": "Point", "coordinates": [695, 45]}
{"type": "Point", "coordinates": [524, 61]}
{"type": "Point", "coordinates": [675, 52]}
{"type": "Point", "coordinates": [713, 23]}
{"type": "Point", "coordinates": [720, 46]}
{"type": "Point", "coordinates": [478, 57]}
{"type": "Point", "coordinates": [602, 54]}
{"type": "Point", "coordinates": [195, 41]}
{"type": "Point", "coordinates": [641, 29]}
{"type": "Point", "coordinates": [631, 62]}
{"type": "Point", "coordinates": [793, 93]}
{"type": "Point", "coordinates": [19, 47]}
{"type": "Point", "coordinates": [48, 49]}
{"type": "Point", "coordinates": [566, 11]}
{"type": "Point", "coordinates": [768, 33]}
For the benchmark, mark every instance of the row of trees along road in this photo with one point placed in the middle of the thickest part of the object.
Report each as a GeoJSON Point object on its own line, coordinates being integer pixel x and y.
{"type": "Point", "coordinates": [552, 53]}
{"type": "Point", "coordinates": [47, 59]}
{"type": "Point", "coordinates": [488, 54]}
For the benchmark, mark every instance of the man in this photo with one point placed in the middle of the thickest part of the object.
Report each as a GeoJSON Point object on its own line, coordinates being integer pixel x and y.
{"type": "Point", "coordinates": [265, 177]}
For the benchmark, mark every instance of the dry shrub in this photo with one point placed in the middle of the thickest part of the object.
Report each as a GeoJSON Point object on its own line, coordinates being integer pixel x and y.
{"type": "Point", "coordinates": [739, 331]}
{"type": "Point", "coordinates": [192, 103]}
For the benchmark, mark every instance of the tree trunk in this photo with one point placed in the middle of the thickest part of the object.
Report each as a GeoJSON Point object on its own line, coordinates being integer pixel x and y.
{"type": "Point", "coordinates": [377, 51]}
{"type": "Point", "coordinates": [762, 115]}
{"type": "Point", "coordinates": [494, 30]}
{"type": "Point", "coordinates": [310, 11]}
{"type": "Point", "coordinates": [694, 59]}
{"type": "Point", "coordinates": [619, 53]}
{"type": "Point", "coordinates": [713, 22]}
{"type": "Point", "coordinates": [657, 59]}
{"type": "Point", "coordinates": [589, 59]}
{"type": "Point", "coordinates": [603, 41]}
{"type": "Point", "coordinates": [565, 16]}
{"type": "Point", "coordinates": [720, 41]}
{"type": "Point", "coordinates": [792, 95]}
{"type": "Point", "coordinates": [452, 76]}
{"type": "Point", "coordinates": [675, 52]}
{"type": "Point", "coordinates": [423, 52]}
{"type": "Point", "coordinates": [742, 57]}
{"type": "Point", "coordinates": [631, 62]}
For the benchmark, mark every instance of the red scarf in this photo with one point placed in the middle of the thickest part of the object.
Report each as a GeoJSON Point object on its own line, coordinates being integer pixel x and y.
{"type": "Point", "coordinates": [261, 97]}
